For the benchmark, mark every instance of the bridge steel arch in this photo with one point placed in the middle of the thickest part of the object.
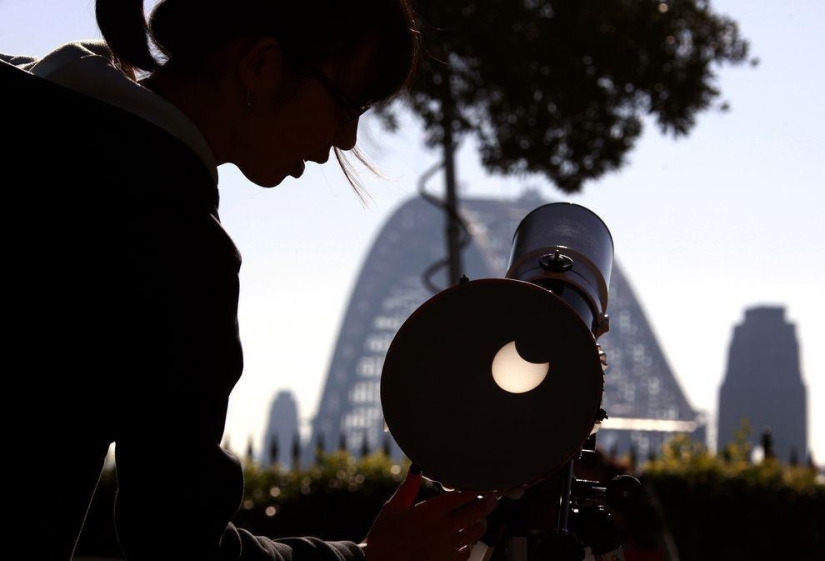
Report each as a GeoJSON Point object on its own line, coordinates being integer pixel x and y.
{"type": "Point", "coordinates": [644, 400]}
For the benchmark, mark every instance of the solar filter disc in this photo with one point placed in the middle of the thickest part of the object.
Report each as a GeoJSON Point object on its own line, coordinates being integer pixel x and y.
{"type": "Point", "coordinates": [491, 385]}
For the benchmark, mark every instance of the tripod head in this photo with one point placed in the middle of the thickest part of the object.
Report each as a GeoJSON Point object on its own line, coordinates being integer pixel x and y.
{"type": "Point", "coordinates": [536, 525]}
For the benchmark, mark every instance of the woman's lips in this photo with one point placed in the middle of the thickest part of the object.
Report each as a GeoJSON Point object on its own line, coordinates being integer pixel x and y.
{"type": "Point", "coordinates": [299, 169]}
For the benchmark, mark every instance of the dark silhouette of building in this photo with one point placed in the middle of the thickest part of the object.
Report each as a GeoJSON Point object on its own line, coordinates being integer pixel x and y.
{"type": "Point", "coordinates": [281, 430]}
{"type": "Point", "coordinates": [763, 384]}
{"type": "Point", "coordinates": [642, 397]}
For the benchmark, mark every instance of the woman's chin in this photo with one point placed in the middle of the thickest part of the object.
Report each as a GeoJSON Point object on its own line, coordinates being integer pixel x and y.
{"type": "Point", "coordinates": [274, 183]}
{"type": "Point", "coordinates": [266, 180]}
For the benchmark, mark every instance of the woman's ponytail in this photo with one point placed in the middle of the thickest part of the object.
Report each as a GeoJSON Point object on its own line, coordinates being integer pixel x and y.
{"type": "Point", "coordinates": [123, 25]}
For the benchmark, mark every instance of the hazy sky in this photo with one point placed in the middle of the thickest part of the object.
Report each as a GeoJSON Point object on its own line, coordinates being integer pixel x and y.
{"type": "Point", "coordinates": [704, 227]}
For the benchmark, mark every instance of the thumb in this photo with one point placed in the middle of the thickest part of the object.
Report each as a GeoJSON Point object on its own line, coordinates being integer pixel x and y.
{"type": "Point", "coordinates": [404, 497]}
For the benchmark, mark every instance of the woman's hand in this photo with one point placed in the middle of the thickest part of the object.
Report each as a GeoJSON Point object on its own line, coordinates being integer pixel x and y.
{"type": "Point", "coordinates": [442, 528]}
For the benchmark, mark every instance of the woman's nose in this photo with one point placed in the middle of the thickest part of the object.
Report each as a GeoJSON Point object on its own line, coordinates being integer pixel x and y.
{"type": "Point", "coordinates": [347, 135]}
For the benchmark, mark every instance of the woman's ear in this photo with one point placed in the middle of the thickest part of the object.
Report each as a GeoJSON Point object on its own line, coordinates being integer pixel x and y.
{"type": "Point", "coordinates": [261, 66]}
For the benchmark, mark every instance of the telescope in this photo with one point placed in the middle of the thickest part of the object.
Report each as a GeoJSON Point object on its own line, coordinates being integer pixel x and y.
{"type": "Point", "coordinates": [495, 386]}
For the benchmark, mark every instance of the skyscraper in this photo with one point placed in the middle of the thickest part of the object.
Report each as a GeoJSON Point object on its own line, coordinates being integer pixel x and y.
{"type": "Point", "coordinates": [281, 430]}
{"type": "Point", "coordinates": [763, 384]}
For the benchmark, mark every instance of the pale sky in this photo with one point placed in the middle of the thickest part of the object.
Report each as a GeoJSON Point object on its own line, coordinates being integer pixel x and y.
{"type": "Point", "coordinates": [704, 227]}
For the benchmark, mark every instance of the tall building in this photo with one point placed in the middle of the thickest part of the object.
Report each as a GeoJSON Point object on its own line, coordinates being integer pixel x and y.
{"type": "Point", "coordinates": [763, 384]}
{"type": "Point", "coordinates": [281, 430]}
{"type": "Point", "coordinates": [642, 397]}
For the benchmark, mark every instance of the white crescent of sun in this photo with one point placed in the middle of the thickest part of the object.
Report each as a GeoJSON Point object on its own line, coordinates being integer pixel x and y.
{"type": "Point", "coordinates": [514, 374]}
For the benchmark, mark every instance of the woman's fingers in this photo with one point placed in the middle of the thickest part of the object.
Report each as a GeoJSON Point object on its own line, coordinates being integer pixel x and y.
{"type": "Point", "coordinates": [404, 496]}
{"type": "Point", "coordinates": [464, 553]}
{"type": "Point", "coordinates": [446, 503]}
{"type": "Point", "coordinates": [472, 511]}
{"type": "Point", "coordinates": [442, 528]}
{"type": "Point", "coordinates": [462, 528]}
{"type": "Point", "coordinates": [446, 517]}
{"type": "Point", "coordinates": [467, 537]}
{"type": "Point", "coordinates": [474, 533]}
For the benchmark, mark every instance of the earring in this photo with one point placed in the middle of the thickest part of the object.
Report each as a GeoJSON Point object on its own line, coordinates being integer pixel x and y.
{"type": "Point", "coordinates": [248, 101]}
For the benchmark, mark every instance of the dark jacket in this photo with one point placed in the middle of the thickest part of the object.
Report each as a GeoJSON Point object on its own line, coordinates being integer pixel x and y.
{"type": "Point", "coordinates": [121, 313]}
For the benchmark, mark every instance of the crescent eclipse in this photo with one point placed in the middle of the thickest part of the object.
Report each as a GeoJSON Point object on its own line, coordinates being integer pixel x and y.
{"type": "Point", "coordinates": [514, 374]}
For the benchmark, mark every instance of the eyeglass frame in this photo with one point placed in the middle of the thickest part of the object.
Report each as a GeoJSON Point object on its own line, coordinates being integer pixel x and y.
{"type": "Point", "coordinates": [351, 109]}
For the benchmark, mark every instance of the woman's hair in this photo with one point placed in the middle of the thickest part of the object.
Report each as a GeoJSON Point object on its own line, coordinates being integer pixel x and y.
{"type": "Point", "coordinates": [308, 32]}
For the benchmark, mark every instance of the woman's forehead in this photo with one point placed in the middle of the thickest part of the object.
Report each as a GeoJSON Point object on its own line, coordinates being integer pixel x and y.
{"type": "Point", "coordinates": [356, 73]}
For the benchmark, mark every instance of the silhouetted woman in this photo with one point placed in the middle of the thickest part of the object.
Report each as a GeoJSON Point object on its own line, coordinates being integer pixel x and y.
{"type": "Point", "coordinates": [122, 285]}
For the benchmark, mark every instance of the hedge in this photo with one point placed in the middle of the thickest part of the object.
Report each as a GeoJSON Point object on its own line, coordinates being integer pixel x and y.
{"type": "Point", "coordinates": [712, 508]}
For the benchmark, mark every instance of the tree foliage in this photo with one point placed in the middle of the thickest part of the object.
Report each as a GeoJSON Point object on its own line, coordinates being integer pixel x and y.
{"type": "Point", "coordinates": [690, 461]}
{"type": "Point", "coordinates": [561, 88]}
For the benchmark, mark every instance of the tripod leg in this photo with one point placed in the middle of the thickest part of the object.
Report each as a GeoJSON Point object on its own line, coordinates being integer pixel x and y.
{"type": "Point", "coordinates": [518, 549]}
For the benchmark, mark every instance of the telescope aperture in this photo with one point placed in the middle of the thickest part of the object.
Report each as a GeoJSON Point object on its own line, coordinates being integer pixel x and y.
{"type": "Point", "coordinates": [445, 409]}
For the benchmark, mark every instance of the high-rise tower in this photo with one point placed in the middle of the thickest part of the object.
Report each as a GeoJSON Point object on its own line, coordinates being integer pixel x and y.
{"type": "Point", "coordinates": [281, 430]}
{"type": "Point", "coordinates": [763, 384]}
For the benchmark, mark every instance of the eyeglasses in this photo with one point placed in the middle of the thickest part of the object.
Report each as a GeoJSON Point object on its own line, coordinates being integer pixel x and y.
{"type": "Point", "coordinates": [351, 109]}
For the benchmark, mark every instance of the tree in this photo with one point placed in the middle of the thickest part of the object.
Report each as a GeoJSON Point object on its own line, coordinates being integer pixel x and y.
{"type": "Point", "coordinates": [561, 89]}
{"type": "Point", "coordinates": [296, 450]}
{"type": "Point", "coordinates": [250, 450]}
{"type": "Point", "coordinates": [766, 441]}
{"type": "Point", "coordinates": [273, 450]}
{"type": "Point", "coordinates": [365, 447]}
